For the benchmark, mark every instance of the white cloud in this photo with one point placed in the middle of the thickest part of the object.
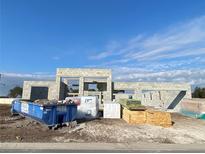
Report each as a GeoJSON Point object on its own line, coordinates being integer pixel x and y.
{"type": "Point", "coordinates": [172, 42]}
{"type": "Point", "coordinates": [101, 55]}
{"type": "Point", "coordinates": [114, 48]}
{"type": "Point", "coordinates": [176, 40]}
{"type": "Point", "coordinates": [176, 54]}
{"type": "Point", "coordinates": [38, 75]}
{"type": "Point", "coordinates": [56, 58]}
{"type": "Point", "coordinates": [192, 76]}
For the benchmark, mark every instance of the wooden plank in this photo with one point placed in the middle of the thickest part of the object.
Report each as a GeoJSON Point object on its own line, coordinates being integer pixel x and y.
{"type": "Point", "coordinates": [152, 117]}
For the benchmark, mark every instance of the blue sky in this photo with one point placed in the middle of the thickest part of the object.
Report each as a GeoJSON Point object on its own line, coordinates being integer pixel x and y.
{"type": "Point", "coordinates": [140, 40]}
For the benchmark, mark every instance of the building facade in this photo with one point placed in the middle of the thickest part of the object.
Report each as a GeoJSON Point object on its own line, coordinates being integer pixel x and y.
{"type": "Point", "coordinates": [98, 82]}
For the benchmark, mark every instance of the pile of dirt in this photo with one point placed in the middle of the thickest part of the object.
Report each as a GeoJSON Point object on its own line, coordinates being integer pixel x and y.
{"type": "Point", "coordinates": [17, 129]}
{"type": "Point", "coordinates": [20, 129]}
{"type": "Point", "coordinates": [185, 130]}
{"type": "Point", "coordinates": [4, 110]}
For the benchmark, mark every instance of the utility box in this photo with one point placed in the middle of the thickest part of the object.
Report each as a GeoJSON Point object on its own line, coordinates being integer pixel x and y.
{"type": "Point", "coordinates": [112, 110]}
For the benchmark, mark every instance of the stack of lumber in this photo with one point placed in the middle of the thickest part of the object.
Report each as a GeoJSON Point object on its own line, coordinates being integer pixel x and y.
{"type": "Point", "coordinates": [158, 118]}
{"type": "Point", "coordinates": [152, 117]}
{"type": "Point", "coordinates": [134, 117]}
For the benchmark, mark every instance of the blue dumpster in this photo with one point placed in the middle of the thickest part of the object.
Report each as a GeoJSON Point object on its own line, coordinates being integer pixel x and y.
{"type": "Point", "coordinates": [51, 114]}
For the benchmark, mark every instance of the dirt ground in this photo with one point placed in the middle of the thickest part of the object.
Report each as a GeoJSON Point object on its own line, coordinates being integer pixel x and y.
{"type": "Point", "coordinates": [17, 129]}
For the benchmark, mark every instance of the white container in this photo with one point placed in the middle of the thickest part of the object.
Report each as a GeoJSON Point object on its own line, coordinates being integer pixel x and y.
{"type": "Point", "coordinates": [112, 110]}
{"type": "Point", "coordinates": [87, 108]}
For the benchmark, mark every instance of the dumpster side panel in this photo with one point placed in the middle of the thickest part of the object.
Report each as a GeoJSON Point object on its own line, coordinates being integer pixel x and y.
{"type": "Point", "coordinates": [35, 110]}
{"type": "Point", "coordinates": [61, 111]}
{"type": "Point", "coordinates": [25, 108]}
{"type": "Point", "coordinates": [16, 107]}
{"type": "Point", "coordinates": [72, 112]}
{"type": "Point", "coordinates": [48, 115]}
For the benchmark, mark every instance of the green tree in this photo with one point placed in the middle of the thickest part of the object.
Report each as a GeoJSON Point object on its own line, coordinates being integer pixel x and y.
{"type": "Point", "coordinates": [16, 91]}
{"type": "Point", "coordinates": [101, 86]}
{"type": "Point", "coordinates": [198, 93]}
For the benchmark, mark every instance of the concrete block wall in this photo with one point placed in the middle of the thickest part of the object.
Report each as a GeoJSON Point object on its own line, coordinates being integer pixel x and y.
{"type": "Point", "coordinates": [82, 74]}
{"type": "Point", "coordinates": [162, 99]}
{"type": "Point", "coordinates": [169, 92]}
{"type": "Point", "coordinates": [121, 96]}
{"type": "Point", "coordinates": [6, 100]}
{"type": "Point", "coordinates": [154, 86]}
{"type": "Point", "coordinates": [155, 94]}
{"type": "Point", "coordinates": [52, 88]}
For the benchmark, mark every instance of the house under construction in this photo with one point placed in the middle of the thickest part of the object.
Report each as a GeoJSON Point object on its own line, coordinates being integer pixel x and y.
{"type": "Point", "coordinates": [98, 82]}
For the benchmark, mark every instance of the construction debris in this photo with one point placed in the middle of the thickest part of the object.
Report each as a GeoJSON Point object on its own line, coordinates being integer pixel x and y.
{"type": "Point", "coordinates": [19, 138]}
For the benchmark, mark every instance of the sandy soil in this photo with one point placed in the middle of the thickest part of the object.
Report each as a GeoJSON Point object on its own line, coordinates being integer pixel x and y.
{"type": "Point", "coordinates": [185, 130]}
